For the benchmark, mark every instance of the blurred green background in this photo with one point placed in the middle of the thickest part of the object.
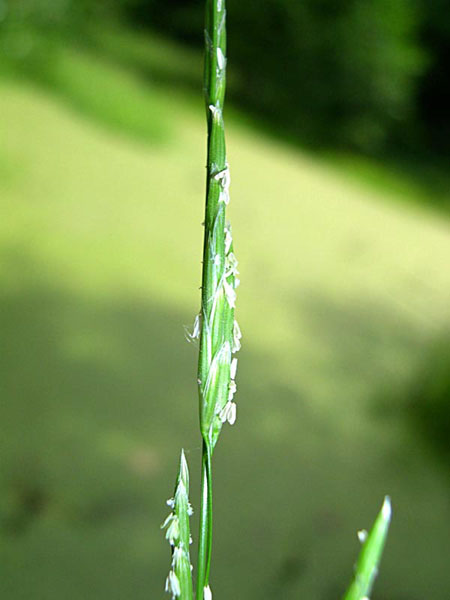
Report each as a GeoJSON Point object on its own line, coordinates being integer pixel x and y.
{"type": "Point", "coordinates": [338, 130]}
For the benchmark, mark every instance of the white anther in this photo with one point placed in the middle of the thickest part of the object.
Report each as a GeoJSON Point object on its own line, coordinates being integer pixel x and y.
{"type": "Point", "coordinates": [195, 334]}
{"type": "Point", "coordinates": [230, 293]}
{"type": "Point", "coordinates": [216, 112]}
{"type": "Point", "coordinates": [223, 177]}
{"type": "Point", "coordinates": [228, 413]}
{"type": "Point", "coordinates": [362, 535]}
{"type": "Point", "coordinates": [228, 239]}
{"type": "Point", "coordinates": [224, 196]}
{"type": "Point", "coordinates": [173, 528]}
{"type": "Point", "coordinates": [237, 335]}
{"type": "Point", "coordinates": [231, 389]}
{"type": "Point", "coordinates": [221, 61]}
{"type": "Point", "coordinates": [173, 585]}
{"type": "Point", "coordinates": [177, 556]}
{"type": "Point", "coordinates": [231, 264]}
{"type": "Point", "coordinates": [233, 368]}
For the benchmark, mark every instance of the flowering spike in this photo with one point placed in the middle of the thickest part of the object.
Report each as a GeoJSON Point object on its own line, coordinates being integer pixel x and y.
{"type": "Point", "coordinates": [179, 580]}
{"type": "Point", "coordinates": [218, 337]}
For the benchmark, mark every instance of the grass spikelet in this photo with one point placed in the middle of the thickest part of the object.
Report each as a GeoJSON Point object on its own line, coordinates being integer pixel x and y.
{"type": "Point", "coordinates": [179, 580]}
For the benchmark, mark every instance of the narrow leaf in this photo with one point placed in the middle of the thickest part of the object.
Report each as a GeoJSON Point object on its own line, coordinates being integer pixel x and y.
{"type": "Point", "coordinates": [366, 568]}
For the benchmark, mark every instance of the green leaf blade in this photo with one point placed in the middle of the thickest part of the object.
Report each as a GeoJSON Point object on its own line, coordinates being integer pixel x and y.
{"type": "Point", "coordinates": [366, 568]}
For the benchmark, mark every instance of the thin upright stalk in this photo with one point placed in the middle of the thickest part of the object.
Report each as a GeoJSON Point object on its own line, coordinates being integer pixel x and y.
{"type": "Point", "coordinates": [205, 538]}
{"type": "Point", "coordinates": [219, 333]}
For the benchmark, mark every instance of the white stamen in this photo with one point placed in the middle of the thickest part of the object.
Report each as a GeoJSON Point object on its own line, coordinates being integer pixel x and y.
{"type": "Point", "coordinates": [224, 196]}
{"type": "Point", "coordinates": [167, 521]}
{"type": "Point", "coordinates": [237, 335]}
{"type": "Point", "coordinates": [362, 535]}
{"type": "Point", "coordinates": [229, 293]}
{"type": "Point", "coordinates": [221, 61]}
{"type": "Point", "coordinates": [173, 532]}
{"type": "Point", "coordinates": [177, 556]}
{"type": "Point", "coordinates": [173, 585]}
{"type": "Point", "coordinates": [231, 264]}
{"type": "Point", "coordinates": [196, 328]}
{"type": "Point", "coordinates": [170, 502]}
{"type": "Point", "coordinates": [237, 283]}
{"type": "Point", "coordinates": [207, 594]}
{"type": "Point", "coordinates": [228, 238]}
{"type": "Point", "coordinates": [233, 368]}
{"type": "Point", "coordinates": [231, 389]}
{"type": "Point", "coordinates": [224, 178]}
{"type": "Point", "coordinates": [216, 112]}
{"type": "Point", "coordinates": [173, 528]}
{"type": "Point", "coordinates": [228, 413]}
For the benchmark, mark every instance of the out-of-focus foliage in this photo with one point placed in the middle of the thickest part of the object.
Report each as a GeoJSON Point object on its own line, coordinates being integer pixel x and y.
{"type": "Point", "coordinates": [430, 398]}
{"type": "Point", "coordinates": [337, 72]}
{"type": "Point", "coordinates": [364, 74]}
{"type": "Point", "coordinates": [30, 28]}
{"type": "Point", "coordinates": [434, 91]}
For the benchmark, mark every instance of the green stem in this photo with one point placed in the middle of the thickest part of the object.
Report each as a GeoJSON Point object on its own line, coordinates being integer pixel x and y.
{"type": "Point", "coordinates": [205, 538]}
{"type": "Point", "coordinates": [217, 337]}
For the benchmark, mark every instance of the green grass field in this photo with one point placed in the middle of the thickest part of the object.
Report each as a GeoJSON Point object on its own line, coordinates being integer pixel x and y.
{"type": "Point", "coordinates": [344, 291]}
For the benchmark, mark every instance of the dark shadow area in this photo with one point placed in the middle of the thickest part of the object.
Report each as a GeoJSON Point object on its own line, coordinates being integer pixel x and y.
{"type": "Point", "coordinates": [430, 398]}
{"type": "Point", "coordinates": [424, 400]}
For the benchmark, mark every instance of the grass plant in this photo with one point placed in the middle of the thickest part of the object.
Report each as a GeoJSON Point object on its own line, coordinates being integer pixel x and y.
{"type": "Point", "coordinates": [215, 326]}
{"type": "Point", "coordinates": [219, 338]}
